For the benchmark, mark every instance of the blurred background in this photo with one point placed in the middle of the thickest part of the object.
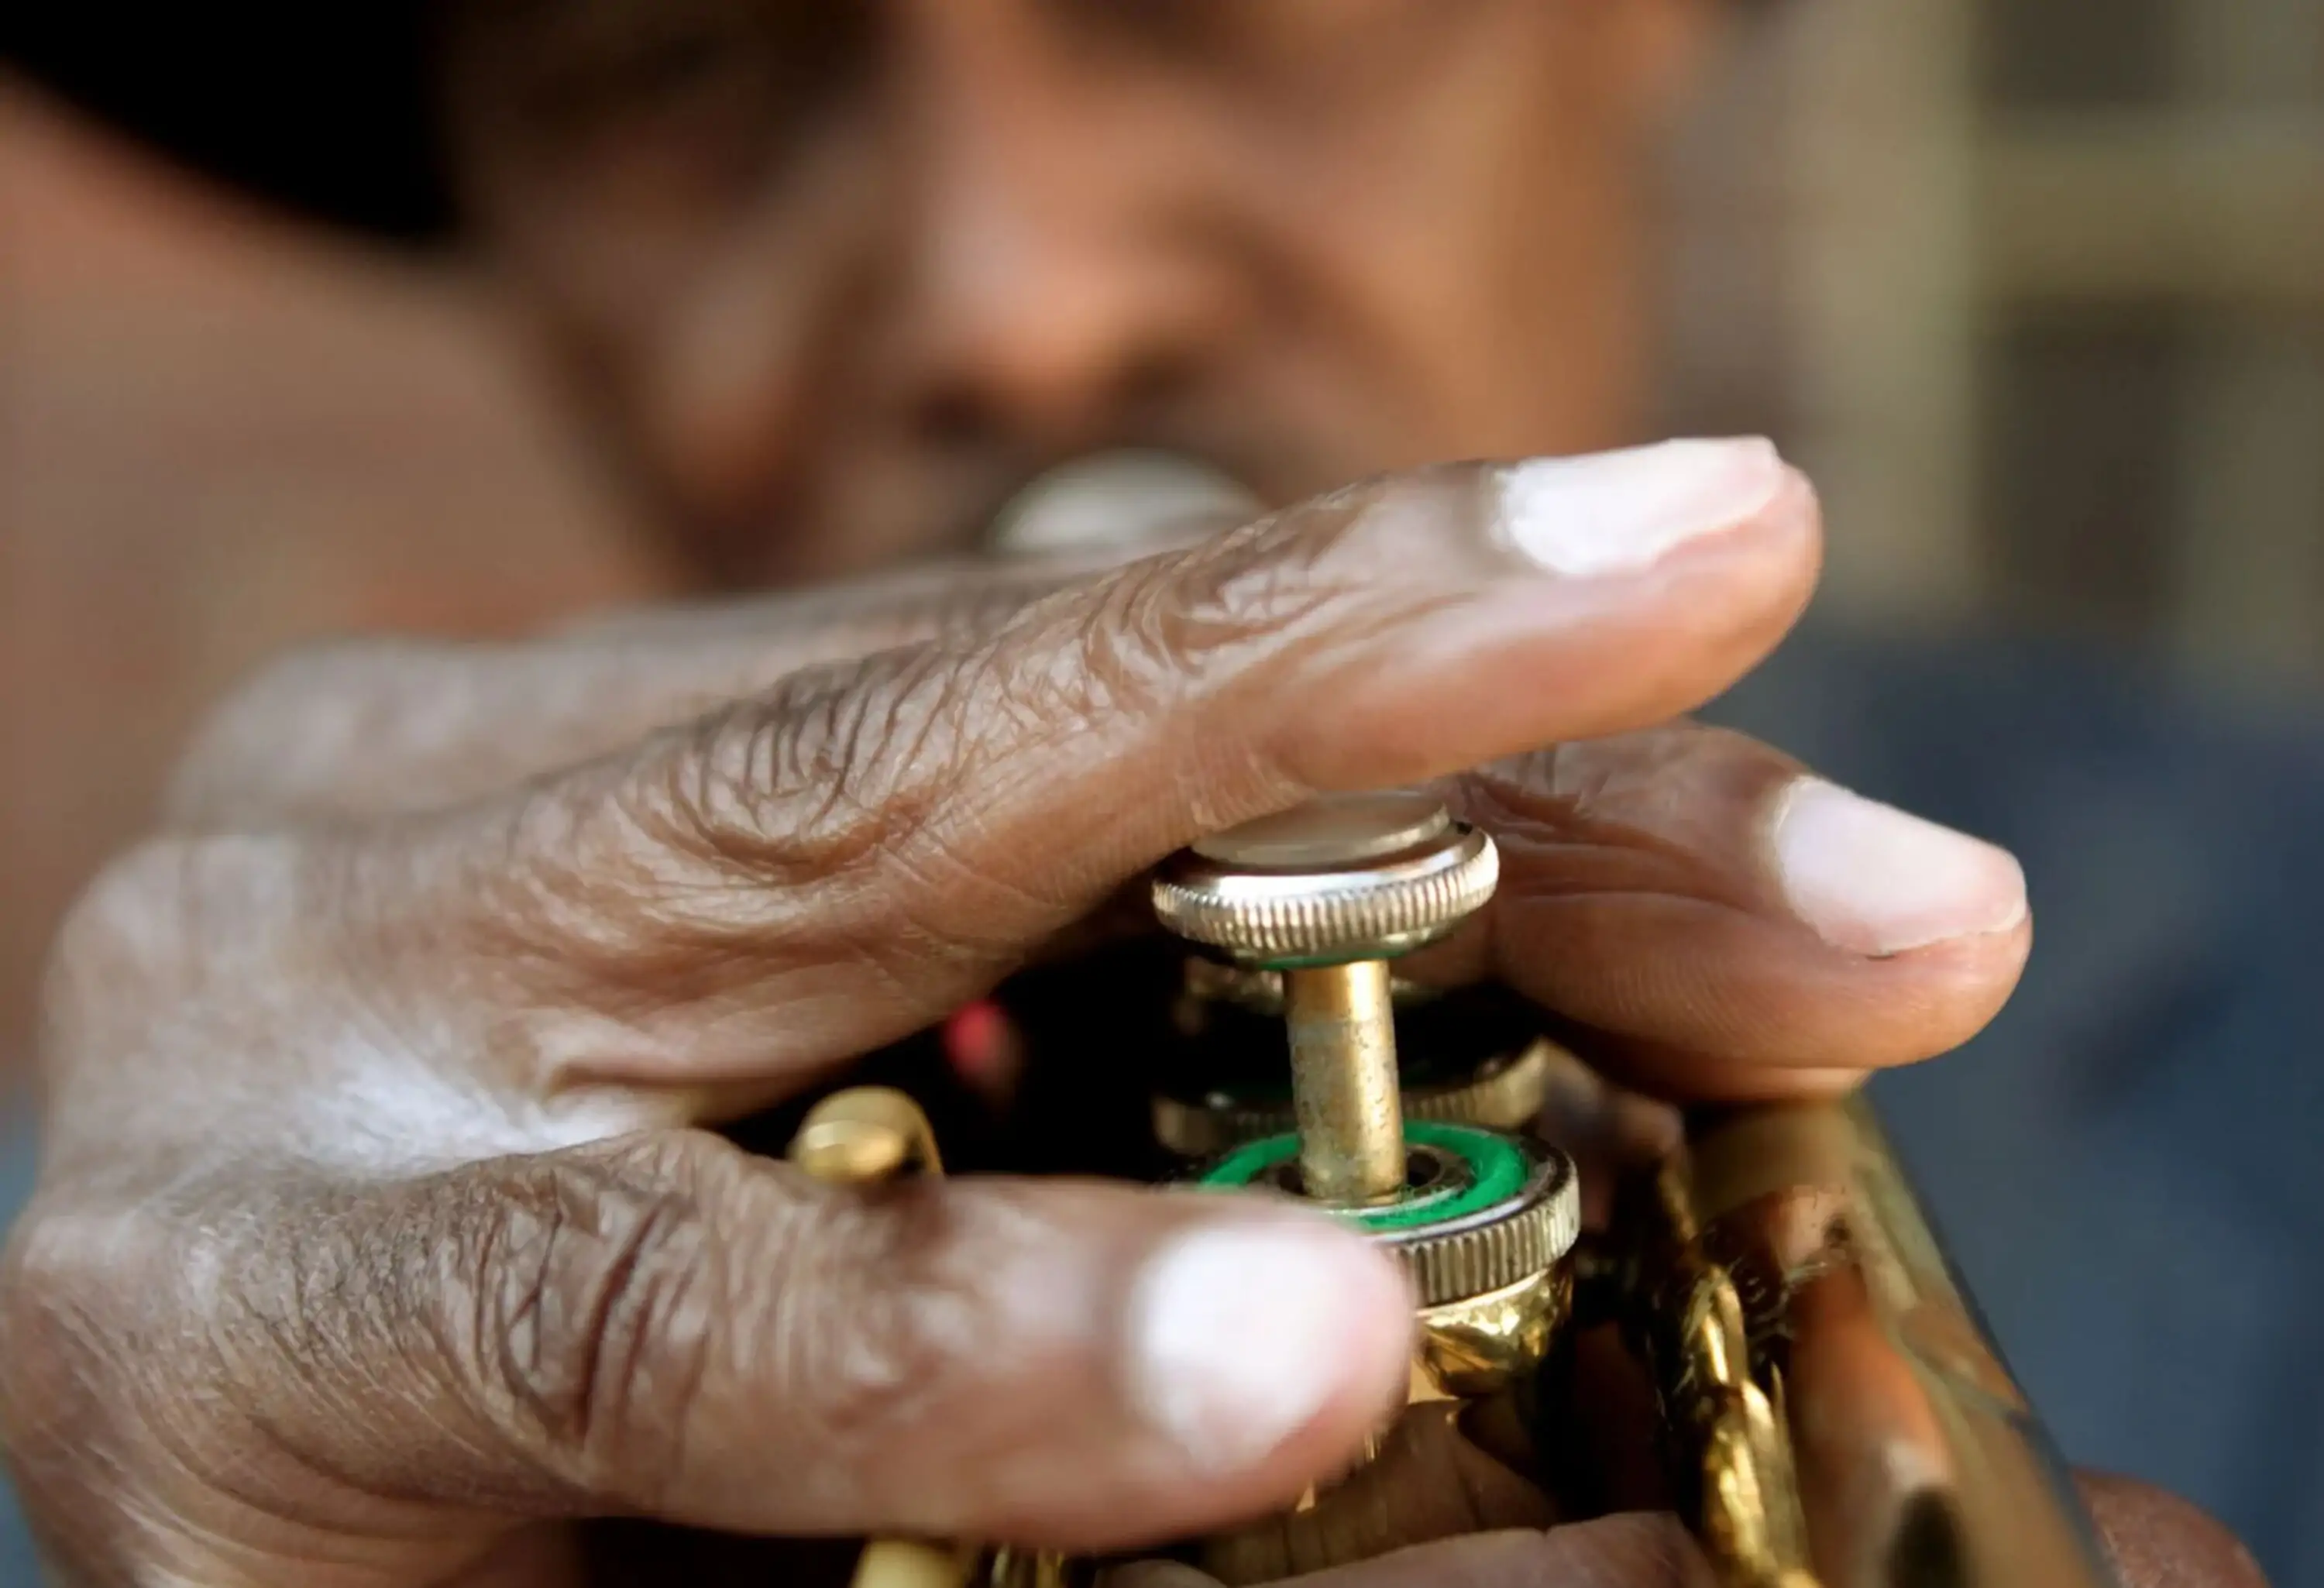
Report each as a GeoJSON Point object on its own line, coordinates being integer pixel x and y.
{"type": "Point", "coordinates": [2049, 279]}
{"type": "Point", "coordinates": [2034, 288]}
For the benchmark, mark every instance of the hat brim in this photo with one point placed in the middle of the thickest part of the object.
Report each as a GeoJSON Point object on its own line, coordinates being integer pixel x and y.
{"type": "Point", "coordinates": [325, 109]}
{"type": "Point", "coordinates": [322, 108]}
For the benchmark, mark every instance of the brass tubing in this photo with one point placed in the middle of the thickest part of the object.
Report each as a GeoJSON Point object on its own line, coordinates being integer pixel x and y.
{"type": "Point", "coordinates": [1918, 1463]}
{"type": "Point", "coordinates": [1344, 1081]}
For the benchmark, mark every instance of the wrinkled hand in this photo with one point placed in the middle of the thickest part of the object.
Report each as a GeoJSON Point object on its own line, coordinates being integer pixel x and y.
{"type": "Point", "coordinates": [379, 1239]}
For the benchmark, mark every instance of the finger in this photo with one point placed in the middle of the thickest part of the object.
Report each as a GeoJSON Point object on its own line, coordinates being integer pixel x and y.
{"type": "Point", "coordinates": [850, 856]}
{"type": "Point", "coordinates": [2157, 1540]}
{"type": "Point", "coordinates": [1726, 924]}
{"type": "Point", "coordinates": [664, 1326]}
{"type": "Point", "coordinates": [1632, 1550]}
{"type": "Point", "coordinates": [377, 727]}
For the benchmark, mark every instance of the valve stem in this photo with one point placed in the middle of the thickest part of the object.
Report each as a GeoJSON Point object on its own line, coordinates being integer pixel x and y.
{"type": "Point", "coordinates": [1328, 893]}
{"type": "Point", "coordinates": [1344, 1081]}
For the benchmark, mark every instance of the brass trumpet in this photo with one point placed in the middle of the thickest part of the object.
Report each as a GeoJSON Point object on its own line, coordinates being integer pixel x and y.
{"type": "Point", "coordinates": [1828, 1410]}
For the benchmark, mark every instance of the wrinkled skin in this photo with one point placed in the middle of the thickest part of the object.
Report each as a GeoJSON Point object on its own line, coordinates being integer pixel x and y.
{"type": "Point", "coordinates": [383, 1238]}
{"type": "Point", "coordinates": [378, 1237]}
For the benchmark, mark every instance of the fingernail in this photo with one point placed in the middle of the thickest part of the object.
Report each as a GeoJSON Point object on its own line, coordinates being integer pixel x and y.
{"type": "Point", "coordinates": [1615, 512]}
{"type": "Point", "coordinates": [1241, 1335]}
{"type": "Point", "coordinates": [1874, 880]}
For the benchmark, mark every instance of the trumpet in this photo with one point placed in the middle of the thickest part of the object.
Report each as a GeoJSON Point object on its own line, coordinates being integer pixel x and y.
{"type": "Point", "coordinates": [1827, 1410]}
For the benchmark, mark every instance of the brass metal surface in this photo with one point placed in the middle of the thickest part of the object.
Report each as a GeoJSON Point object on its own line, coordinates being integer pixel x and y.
{"type": "Point", "coordinates": [907, 1562]}
{"type": "Point", "coordinates": [1261, 991]}
{"type": "Point", "coordinates": [1817, 1355]}
{"type": "Point", "coordinates": [1531, 1230]}
{"type": "Point", "coordinates": [1486, 1345]}
{"type": "Point", "coordinates": [1011, 1567]}
{"type": "Point", "coordinates": [1326, 892]}
{"type": "Point", "coordinates": [1417, 1484]}
{"type": "Point", "coordinates": [1475, 1357]}
{"type": "Point", "coordinates": [864, 1135]}
{"type": "Point", "coordinates": [1344, 1081]}
{"type": "Point", "coordinates": [1503, 1095]}
{"type": "Point", "coordinates": [1832, 1414]}
{"type": "Point", "coordinates": [1310, 906]}
{"type": "Point", "coordinates": [1730, 1451]}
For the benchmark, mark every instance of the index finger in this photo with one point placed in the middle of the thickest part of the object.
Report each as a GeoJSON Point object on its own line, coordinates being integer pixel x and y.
{"type": "Point", "coordinates": [372, 727]}
{"type": "Point", "coordinates": [838, 862]}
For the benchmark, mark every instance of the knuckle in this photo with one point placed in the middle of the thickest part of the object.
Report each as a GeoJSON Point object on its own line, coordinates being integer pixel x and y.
{"type": "Point", "coordinates": [137, 943]}
{"type": "Point", "coordinates": [879, 813]}
{"type": "Point", "coordinates": [879, 1305]}
{"type": "Point", "coordinates": [791, 830]}
{"type": "Point", "coordinates": [591, 1292]}
{"type": "Point", "coordinates": [721, 829]}
{"type": "Point", "coordinates": [619, 1328]}
{"type": "Point", "coordinates": [1239, 608]}
{"type": "Point", "coordinates": [33, 1301]}
{"type": "Point", "coordinates": [1165, 633]}
{"type": "Point", "coordinates": [832, 767]}
{"type": "Point", "coordinates": [273, 742]}
{"type": "Point", "coordinates": [70, 1287]}
{"type": "Point", "coordinates": [115, 933]}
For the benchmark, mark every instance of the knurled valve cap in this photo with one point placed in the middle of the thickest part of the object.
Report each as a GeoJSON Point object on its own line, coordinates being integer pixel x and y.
{"type": "Point", "coordinates": [1343, 877]}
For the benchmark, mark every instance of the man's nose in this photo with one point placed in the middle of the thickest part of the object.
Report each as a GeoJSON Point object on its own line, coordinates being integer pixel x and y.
{"type": "Point", "coordinates": [1052, 289]}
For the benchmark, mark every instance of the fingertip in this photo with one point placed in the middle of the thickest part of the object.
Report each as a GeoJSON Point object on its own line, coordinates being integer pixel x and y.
{"type": "Point", "coordinates": [1573, 626]}
{"type": "Point", "coordinates": [1870, 879]}
{"type": "Point", "coordinates": [1621, 513]}
{"type": "Point", "coordinates": [1266, 1342]}
{"type": "Point", "coordinates": [1091, 1367]}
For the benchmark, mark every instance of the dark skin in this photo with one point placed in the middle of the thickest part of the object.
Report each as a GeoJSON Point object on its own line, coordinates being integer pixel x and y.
{"type": "Point", "coordinates": [382, 1238]}
{"type": "Point", "coordinates": [835, 278]}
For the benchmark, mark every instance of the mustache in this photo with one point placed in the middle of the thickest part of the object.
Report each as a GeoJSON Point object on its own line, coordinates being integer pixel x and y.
{"type": "Point", "coordinates": [882, 503]}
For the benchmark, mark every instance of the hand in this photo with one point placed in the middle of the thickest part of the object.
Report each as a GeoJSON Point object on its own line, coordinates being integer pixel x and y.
{"type": "Point", "coordinates": [2152, 1540]}
{"type": "Point", "coordinates": [378, 1239]}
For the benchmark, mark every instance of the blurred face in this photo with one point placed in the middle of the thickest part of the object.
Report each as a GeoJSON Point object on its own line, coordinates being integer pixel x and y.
{"type": "Point", "coordinates": [840, 275]}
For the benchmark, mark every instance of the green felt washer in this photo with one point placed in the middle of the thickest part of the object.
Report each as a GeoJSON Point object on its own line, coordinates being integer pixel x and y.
{"type": "Point", "coordinates": [1494, 1168]}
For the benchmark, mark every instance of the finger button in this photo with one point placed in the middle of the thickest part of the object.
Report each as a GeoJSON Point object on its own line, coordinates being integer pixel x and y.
{"type": "Point", "coordinates": [1341, 878]}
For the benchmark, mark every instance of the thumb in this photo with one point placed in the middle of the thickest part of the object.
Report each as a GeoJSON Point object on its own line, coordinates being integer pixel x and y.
{"type": "Point", "coordinates": [1637, 1549]}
